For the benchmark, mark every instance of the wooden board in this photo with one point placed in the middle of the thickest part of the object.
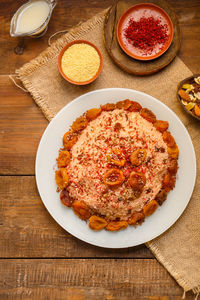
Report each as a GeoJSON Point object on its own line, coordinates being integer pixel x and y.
{"type": "Point", "coordinates": [27, 231]}
{"type": "Point", "coordinates": [68, 13]}
{"type": "Point", "coordinates": [124, 61]}
{"type": "Point", "coordinates": [81, 279]}
{"type": "Point", "coordinates": [21, 127]}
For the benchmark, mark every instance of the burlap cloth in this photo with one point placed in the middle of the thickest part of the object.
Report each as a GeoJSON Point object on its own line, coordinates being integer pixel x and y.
{"type": "Point", "coordinates": [178, 249]}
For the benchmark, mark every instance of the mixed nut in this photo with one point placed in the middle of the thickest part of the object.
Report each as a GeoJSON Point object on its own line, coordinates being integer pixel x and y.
{"type": "Point", "coordinates": [189, 94]}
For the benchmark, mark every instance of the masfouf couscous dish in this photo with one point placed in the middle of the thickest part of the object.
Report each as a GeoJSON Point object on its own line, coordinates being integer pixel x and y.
{"type": "Point", "coordinates": [117, 165]}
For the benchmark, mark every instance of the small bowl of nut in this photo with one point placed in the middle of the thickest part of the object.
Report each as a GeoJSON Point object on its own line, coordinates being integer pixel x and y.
{"type": "Point", "coordinates": [188, 94]}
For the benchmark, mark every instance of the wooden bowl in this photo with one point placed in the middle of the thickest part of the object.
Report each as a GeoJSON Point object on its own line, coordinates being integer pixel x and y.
{"type": "Point", "coordinates": [187, 80]}
{"type": "Point", "coordinates": [60, 58]}
{"type": "Point", "coordinates": [156, 11]}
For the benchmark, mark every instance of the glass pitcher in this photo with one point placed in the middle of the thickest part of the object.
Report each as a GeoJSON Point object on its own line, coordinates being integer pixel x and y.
{"type": "Point", "coordinates": [22, 23]}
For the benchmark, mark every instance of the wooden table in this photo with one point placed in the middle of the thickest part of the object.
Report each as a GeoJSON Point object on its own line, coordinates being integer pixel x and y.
{"type": "Point", "coordinates": [39, 260]}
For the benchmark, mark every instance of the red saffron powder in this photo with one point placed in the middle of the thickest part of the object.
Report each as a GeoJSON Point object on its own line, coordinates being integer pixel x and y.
{"type": "Point", "coordinates": [146, 34]}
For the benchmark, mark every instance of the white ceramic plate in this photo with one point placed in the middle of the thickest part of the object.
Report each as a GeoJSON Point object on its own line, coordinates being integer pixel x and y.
{"type": "Point", "coordinates": [162, 219]}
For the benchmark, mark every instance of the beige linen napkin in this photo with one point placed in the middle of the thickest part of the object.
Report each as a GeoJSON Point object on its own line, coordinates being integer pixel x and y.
{"type": "Point", "coordinates": [178, 249]}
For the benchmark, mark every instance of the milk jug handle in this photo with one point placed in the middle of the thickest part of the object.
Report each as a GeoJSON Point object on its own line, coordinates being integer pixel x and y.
{"type": "Point", "coordinates": [53, 3]}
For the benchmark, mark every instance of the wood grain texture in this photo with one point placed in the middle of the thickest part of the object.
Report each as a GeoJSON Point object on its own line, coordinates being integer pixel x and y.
{"type": "Point", "coordinates": [28, 230]}
{"type": "Point", "coordinates": [70, 13]}
{"type": "Point", "coordinates": [21, 127]}
{"type": "Point", "coordinates": [82, 279]}
{"type": "Point", "coordinates": [65, 15]}
{"type": "Point", "coordinates": [188, 13]}
{"type": "Point", "coordinates": [126, 62]}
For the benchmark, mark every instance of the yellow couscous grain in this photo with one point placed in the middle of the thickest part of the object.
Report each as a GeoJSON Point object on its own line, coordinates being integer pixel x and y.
{"type": "Point", "coordinates": [80, 62]}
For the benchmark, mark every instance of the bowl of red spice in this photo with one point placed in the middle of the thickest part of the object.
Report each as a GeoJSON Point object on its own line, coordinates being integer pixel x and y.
{"type": "Point", "coordinates": [145, 31]}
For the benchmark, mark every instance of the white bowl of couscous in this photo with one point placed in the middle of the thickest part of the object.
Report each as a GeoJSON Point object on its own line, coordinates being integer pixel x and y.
{"type": "Point", "coordinates": [80, 62]}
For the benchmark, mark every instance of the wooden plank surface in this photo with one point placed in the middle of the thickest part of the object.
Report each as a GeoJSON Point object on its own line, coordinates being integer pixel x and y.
{"type": "Point", "coordinates": [69, 13]}
{"type": "Point", "coordinates": [38, 259]}
{"type": "Point", "coordinates": [65, 15]}
{"type": "Point", "coordinates": [28, 230]}
{"type": "Point", "coordinates": [21, 127]}
{"type": "Point", "coordinates": [83, 279]}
